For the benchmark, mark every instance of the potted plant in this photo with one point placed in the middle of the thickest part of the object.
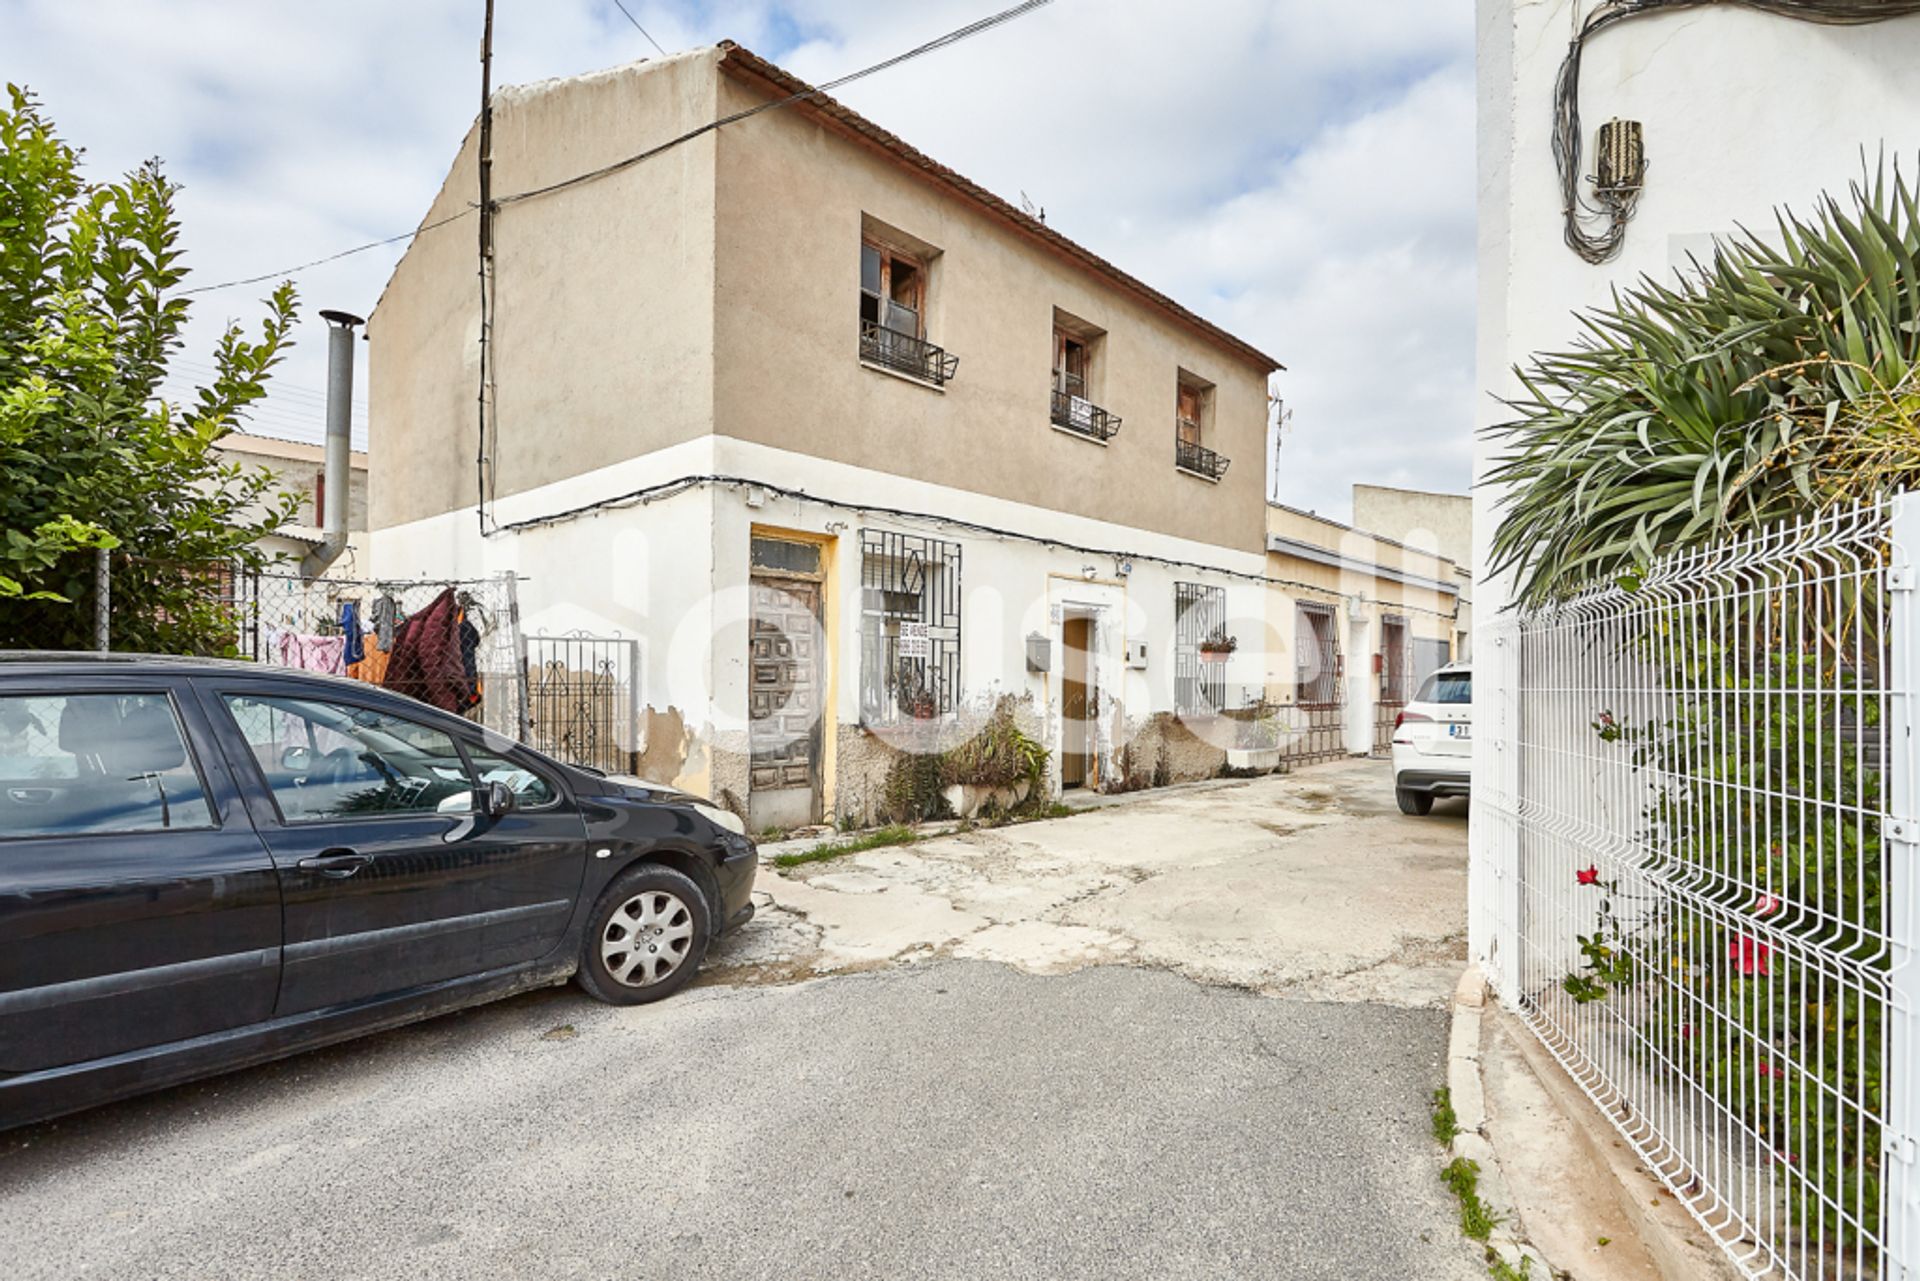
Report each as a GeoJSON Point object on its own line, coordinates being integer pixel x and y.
{"type": "Point", "coordinates": [1217, 646]}
{"type": "Point", "coordinates": [996, 768]}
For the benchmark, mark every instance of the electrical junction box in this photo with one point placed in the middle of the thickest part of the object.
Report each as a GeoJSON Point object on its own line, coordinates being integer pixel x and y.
{"type": "Point", "coordinates": [1137, 654]}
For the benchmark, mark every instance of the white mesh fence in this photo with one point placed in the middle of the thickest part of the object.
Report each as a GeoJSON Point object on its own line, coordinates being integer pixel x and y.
{"type": "Point", "coordinates": [1690, 876]}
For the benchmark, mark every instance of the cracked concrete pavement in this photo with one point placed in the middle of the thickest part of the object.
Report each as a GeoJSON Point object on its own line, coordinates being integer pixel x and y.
{"type": "Point", "coordinates": [1055, 1067]}
{"type": "Point", "coordinates": [1309, 885]}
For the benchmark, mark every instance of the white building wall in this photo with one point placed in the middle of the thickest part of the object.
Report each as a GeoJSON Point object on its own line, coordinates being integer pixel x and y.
{"type": "Point", "coordinates": [1743, 113]}
{"type": "Point", "coordinates": [673, 571]}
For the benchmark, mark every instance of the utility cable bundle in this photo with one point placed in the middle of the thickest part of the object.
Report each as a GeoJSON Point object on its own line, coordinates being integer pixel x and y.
{"type": "Point", "coordinates": [1618, 191]}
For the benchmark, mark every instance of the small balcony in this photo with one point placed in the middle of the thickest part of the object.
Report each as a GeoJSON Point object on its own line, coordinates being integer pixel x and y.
{"type": "Point", "coordinates": [1082, 417]}
{"type": "Point", "coordinates": [1199, 460]}
{"type": "Point", "coordinates": [905, 354]}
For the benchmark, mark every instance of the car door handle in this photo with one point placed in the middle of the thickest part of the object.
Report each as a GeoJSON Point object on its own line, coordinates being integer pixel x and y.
{"type": "Point", "coordinates": [335, 863]}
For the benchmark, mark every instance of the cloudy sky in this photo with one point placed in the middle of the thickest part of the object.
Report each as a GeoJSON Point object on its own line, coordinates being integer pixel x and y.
{"type": "Point", "coordinates": [1299, 172]}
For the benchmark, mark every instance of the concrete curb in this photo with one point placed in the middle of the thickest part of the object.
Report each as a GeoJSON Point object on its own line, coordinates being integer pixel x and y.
{"type": "Point", "coordinates": [1469, 1098]}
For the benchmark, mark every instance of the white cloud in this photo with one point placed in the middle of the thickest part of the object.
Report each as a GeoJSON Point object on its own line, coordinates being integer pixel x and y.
{"type": "Point", "coordinates": [1299, 175]}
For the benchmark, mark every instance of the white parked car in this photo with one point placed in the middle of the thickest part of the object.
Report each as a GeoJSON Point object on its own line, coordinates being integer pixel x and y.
{"type": "Point", "coordinates": [1433, 741]}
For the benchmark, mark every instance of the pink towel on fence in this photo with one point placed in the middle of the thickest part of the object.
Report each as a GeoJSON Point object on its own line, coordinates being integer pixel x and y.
{"type": "Point", "coordinates": [314, 653]}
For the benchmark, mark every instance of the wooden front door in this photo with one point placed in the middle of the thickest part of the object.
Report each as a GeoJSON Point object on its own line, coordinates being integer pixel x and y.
{"type": "Point", "coordinates": [784, 695]}
{"type": "Point", "coordinates": [1076, 700]}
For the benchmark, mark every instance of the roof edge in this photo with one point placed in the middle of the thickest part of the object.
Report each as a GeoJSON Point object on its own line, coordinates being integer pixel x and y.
{"type": "Point", "coordinates": [742, 62]}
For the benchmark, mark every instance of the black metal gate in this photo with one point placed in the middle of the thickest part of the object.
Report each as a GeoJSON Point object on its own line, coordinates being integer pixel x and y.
{"type": "Point", "coordinates": [1396, 680]}
{"type": "Point", "coordinates": [583, 699]}
{"type": "Point", "coordinates": [1319, 731]}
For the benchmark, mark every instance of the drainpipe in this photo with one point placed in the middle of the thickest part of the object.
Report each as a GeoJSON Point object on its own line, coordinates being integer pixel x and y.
{"type": "Point", "coordinates": [339, 466]}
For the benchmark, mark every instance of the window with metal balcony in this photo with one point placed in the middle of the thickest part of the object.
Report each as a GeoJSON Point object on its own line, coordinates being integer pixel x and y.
{"type": "Point", "coordinates": [1073, 410]}
{"type": "Point", "coordinates": [1193, 411]}
{"type": "Point", "coordinates": [893, 304]}
{"type": "Point", "coordinates": [1199, 460]}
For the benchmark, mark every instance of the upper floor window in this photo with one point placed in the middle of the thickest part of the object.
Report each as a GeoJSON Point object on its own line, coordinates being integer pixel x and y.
{"type": "Point", "coordinates": [1076, 347]}
{"type": "Point", "coordinates": [894, 291]}
{"type": "Point", "coordinates": [1192, 424]}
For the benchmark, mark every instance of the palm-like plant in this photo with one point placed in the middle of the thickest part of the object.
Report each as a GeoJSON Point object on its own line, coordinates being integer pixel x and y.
{"type": "Point", "coordinates": [1778, 382]}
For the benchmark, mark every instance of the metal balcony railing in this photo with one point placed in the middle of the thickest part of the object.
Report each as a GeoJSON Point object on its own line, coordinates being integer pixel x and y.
{"type": "Point", "coordinates": [1199, 460]}
{"type": "Point", "coordinates": [903, 353]}
{"type": "Point", "coordinates": [1078, 414]}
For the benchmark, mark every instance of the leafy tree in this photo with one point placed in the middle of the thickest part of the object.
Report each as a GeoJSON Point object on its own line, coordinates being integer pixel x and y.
{"type": "Point", "coordinates": [1778, 384]}
{"type": "Point", "coordinates": [90, 455]}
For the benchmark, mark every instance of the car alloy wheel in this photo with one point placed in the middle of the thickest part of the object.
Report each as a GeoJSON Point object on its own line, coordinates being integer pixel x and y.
{"type": "Point", "coordinates": [647, 938]}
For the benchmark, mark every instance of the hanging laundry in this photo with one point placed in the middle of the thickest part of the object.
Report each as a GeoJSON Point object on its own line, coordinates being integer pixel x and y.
{"type": "Point", "coordinates": [324, 654]}
{"type": "Point", "coordinates": [384, 616]}
{"type": "Point", "coordinates": [350, 631]}
{"type": "Point", "coordinates": [469, 662]}
{"type": "Point", "coordinates": [373, 667]}
{"type": "Point", "coordinates": [425, 661]}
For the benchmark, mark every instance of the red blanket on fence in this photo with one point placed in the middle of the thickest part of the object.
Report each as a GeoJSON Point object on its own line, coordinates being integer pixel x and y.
{"type": "Point", "coordinates": [426, 662]}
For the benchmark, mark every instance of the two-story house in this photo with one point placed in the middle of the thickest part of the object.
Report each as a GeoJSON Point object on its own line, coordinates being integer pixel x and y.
{"type": "Point", "coordinates": [845, 441]}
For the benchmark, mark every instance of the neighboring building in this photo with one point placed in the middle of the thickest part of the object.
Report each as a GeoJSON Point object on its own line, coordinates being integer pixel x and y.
{"type": "Point", "coordinates": [1740, 113]}
{"type": "Point", "coordinates": [839, 441]}
{"type": "Point", "coordinates": [1368, 618]}
{"type": "Point", "coordinates": [300, 468]}
{"type": "Point", "coordinates": [1441, 523]}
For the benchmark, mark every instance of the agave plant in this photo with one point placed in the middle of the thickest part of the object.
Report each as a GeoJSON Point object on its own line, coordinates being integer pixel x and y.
{"type": "Point", "coordinates": [1776, 382]}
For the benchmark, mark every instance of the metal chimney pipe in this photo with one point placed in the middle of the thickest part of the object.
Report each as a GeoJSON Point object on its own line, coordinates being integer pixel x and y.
{"type": "Point", "coordinates": [339, 464]}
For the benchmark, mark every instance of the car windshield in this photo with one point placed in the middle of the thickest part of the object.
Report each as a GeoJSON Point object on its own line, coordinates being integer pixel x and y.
{"type": "Point", "coordinates": [1448, 688]}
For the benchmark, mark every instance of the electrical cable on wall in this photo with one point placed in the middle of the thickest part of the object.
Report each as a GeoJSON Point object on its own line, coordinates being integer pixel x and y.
{"type": "Point", "coordinates": [1621, 170]}
{"type": "Point", "coordinates": [681, 484]}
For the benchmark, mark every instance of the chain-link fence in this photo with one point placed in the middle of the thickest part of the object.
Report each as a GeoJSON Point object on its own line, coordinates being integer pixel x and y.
{"type": "Point", "coordinates": [454, 644]}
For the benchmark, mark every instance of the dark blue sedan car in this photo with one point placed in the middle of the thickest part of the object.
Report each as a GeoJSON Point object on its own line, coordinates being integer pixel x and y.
{"type": "Point", "coordinates": [205, 865]}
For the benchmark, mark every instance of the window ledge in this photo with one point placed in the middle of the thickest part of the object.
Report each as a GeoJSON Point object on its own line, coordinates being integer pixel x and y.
{"type": "Point", "coordinates": [878, 368]}
{"type": "Point", "coordinates": [1197, 475]}
{"type": "Point", "coordinates": [1078, 435]}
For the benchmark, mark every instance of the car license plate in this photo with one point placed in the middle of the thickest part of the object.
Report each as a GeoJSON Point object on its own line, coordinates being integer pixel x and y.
{"type": "Point", "coordinates": [1460, 731]}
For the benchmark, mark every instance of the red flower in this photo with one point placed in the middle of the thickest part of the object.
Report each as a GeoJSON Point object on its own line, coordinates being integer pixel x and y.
{"type": "Point", "coordinates": [1588, 876]}
{"type": "Point", "coordinates": [1686, 1031]}
{"type": "Point", "coordinates": [1750, 953]}
{"type": "Point", "coordinates": [1766, 1069]}
{"type": "Point", "coordinates": [1767, 905]}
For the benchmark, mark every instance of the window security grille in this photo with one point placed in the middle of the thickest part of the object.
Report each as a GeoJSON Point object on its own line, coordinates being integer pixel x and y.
{"type": "Point", "coordinates": [1199, 686]}
{"type": "Point", "coordinates": [909, 627]}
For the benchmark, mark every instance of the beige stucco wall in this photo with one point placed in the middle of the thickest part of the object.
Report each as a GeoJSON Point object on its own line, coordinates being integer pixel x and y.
{"type": "Point", "coordinates": [715, 289]}
{"type": "Point", "coordinates": [1436, 522]}
{"type": "Point", "coordinates": [603, 316]}
{"type": "Point", "coordinates": [792, 193]}
{"type": "Point", "coordinates": [1362, 598]}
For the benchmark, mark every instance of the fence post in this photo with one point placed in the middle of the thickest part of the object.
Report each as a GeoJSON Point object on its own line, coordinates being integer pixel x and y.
{"type": "Point", "coordinates": [523, 729]}
{"type": "Point", "coordinates": [102, 599]}
{"type": "Point", "coordinates": [1901, 1075]}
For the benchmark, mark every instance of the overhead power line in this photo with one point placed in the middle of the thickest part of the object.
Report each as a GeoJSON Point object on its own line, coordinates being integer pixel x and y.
{"type": "Point", "coordinates": [940, 42]}
{"type": "Point", "coordinates": [284, 272]}
{"type": "Point", "coordinates": [637, 27]}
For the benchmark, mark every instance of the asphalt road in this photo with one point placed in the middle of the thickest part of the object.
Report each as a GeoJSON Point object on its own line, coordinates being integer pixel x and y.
{"type": "Point", "coordinates": [950, 1119]}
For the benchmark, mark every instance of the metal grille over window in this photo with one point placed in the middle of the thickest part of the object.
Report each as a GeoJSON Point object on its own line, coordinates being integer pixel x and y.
{"type": "Point", "coordinates": [909, 627]}
{"type": "Point", "coordinates": [1199, 656]}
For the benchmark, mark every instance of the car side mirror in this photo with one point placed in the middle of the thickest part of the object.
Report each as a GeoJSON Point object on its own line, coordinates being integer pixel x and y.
{"type": "Point", "coordinates": [296, 760]}
{"type": "Point", "coordinates": [496, 799]}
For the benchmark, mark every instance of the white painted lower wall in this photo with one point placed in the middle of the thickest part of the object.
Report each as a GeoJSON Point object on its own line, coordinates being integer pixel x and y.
{"type": "Point", "coordinates": [673, 573]}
